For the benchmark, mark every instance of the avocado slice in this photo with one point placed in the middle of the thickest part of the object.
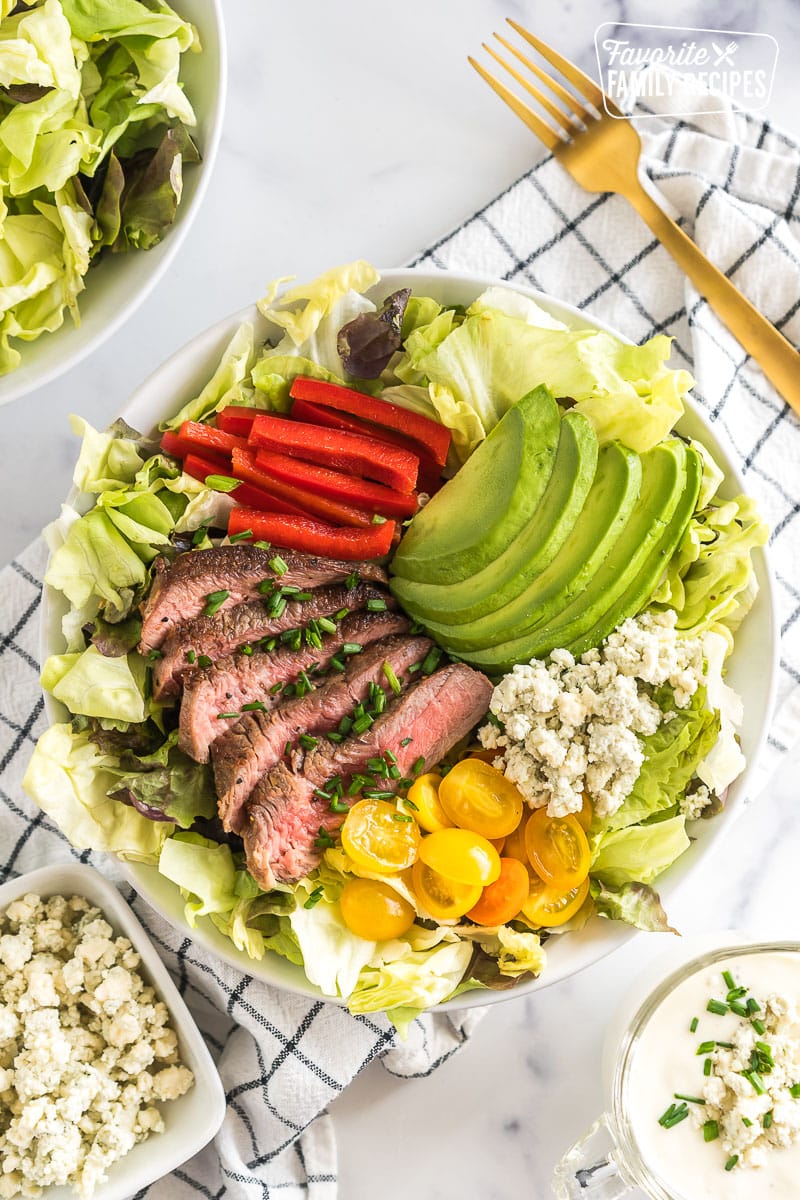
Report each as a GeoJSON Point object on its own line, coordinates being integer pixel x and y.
{"type": "Point", "coordinates": [603, 518]}
{"type": "Point", "coordinates": [670, 483]}
{"type": "Point", "coordinates": [535, 546]}
{"type": "Point", "coordinates": [475, 516]}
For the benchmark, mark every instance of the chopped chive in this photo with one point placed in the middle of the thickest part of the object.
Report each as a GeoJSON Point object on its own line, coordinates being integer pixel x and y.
{"type": "Point", "coordinates": [757, 1082]}
{"type": "Point", "coordinates": [352, 580]}
{"type": "Point", "coordinates": [393, 681]}
{"type": "Point", "coordinates": [410, 804]}
{"type": "Point", "coordinates": [689, 1099]}
{"type": "Point", "coordinates": [303, 596]}
{"type": "Point", "coordinates": [287, 748]}
{"type": "Point", "coordinates": [707, 1065]}
{"type": "Point", "coordinates": [266, 587]}
{"type": "Point", "coordinates": [337, 664]}
{"type": "Point", "coordinates": [246, 650]}
{"type": "Point", "coordinates": [263, 545]}
{"type": "Point", "coordinates": [767, 1119]}
{"type": "Point", "coordinates": [674, 1115]}
{"type": "Point", "coordinates": [334, 737]}
{"type": "Point", "coordinates": [732, 1161]}
{"type": "Point", "coordinates": [378, 520]}
{"type": "Point", "coordinates": [394, 771]}
{"type": "Point", "coordinates": [340, 614]}
{"type": "Point", "coordinates": [322, 794]}
{"type": "Point", "coordinates": [215, 601]}
{"type": "Point", "coordinates": [694, 1024]}
{"type": "Point", "coordinates": [276, 687]}
{"type": "Point", "coordinates": [730, 982]}
{"type": "Point", "coordinates": [338, 806]}
{"type": "Point", "coordinates": [313, 639]}
{"type": "Point", "coordinates": [406, 741]}
{"type": "Point", "coordinates": [758, 1025]}
{"type": "Point", "coordinates": [753, 1006]}
{"type": "Point", "coordinates": [240, 537]}
{"type": "Point", "coordinates": [277, 606]}
{"type": "Point", "coordinates": [738, 1008]}
{"type": "Point", "coordinates": [390, 757]}
{"type": "Point", "coordinates": [380, 794]}
{"type": "Point", "coordinates": [190, 656]}
{"type": "Point", "coordinates": [706, 1047]}
{"type": "Point", "coordinates": [362, 724]}
{"type": "Point", "coordinates": [200, 533]}
{"type": "Point", "coordinates": [227, 716]}
{"type": "Point", "coordinates": [716, 1007]}
{"type": "Point", "coordinates": [418, 765]}
{"type": "Point", "coordinates": [222, 483]}
{"type": "Point", "coordinates": [376, 605]}
{"type": "Point", "coordinates": [306, 682]}
{"type": "Point", "coordinates": [412, 670]}
{"type": "Point", "coordinates": [307, 741]}
{"type": "Point", "coordinates": [404, 817]}
{"type": "Point", "coordinates": [746, 1122]}
{"type": "Point", "coordinates": [736, 993]}
{"type": "Point", "coordinates": [314, 898]}
{"type": "Point", "coordinates": [345, 725]}
{"type": "Point", "coordinates": [794, 1091]}
{"type": "Point", "coordinates": [710, 1131]}
{"type": "Point", "coordinates": [725, 1045]}
{"type": "Point", "coordinates": [278, 565]}
{"type": "Point", "coordinates": [431, 660]}
{"type": "Point", "coordinates": [254, 706]}
{"type": "Point", "coordinates": [377, 764]}
{"type": "Point", "coordinates": [324, 839]}
{"type": "Point", "coordinates": [326, 624]}
{"type": "Point", "coordinates": [380, 701]}
{"type": "Point", "coordinates": [203, 660]}
{"type": "Point", "coordinates": [155, 655]}
{"type": "Point", "coordinates": [405, 782]}
{"type": "Point", "coordinates": [352, 648]}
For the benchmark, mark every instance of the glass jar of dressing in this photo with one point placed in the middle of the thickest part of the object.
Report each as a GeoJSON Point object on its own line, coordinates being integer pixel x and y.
{"type": "Point", "coordinates": [704, 1086]}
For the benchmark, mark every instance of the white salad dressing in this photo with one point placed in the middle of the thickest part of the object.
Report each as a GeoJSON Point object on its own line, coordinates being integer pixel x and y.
{"type": "Point", "coordinates": [665, 1061]}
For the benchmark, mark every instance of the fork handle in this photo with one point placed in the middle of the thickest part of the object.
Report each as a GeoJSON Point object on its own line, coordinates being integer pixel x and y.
{"type": "Point", "coordinates": [777, 357]}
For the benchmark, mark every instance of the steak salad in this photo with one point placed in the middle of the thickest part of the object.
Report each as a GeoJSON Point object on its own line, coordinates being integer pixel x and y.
{"type": "Point", "coordinates": [401, 648]}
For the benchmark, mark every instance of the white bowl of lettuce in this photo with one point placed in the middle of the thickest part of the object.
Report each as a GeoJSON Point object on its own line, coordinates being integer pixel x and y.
{"type": "Point", "coordinates": [217, 367]}
{"type": "Point", "coordinates": [104, 110]}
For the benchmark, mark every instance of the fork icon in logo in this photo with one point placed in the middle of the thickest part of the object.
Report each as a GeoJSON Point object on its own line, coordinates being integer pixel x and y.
{"type": "Point", "coordinates": [724, 55]}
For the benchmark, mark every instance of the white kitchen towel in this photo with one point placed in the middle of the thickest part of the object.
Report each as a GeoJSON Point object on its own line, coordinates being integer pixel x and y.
{"type": "Point", "coordinates": [735, 182]}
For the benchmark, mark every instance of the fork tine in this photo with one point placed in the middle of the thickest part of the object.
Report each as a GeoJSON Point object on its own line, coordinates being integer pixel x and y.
{"type": "Point", "coordinates": [542, 130]}
{"type": "Point", "coordinates": [584, 84]}
{"type": "Point", "coordinates": [558, 114]}
{"type": "Point", "coordinates": [567, 98]}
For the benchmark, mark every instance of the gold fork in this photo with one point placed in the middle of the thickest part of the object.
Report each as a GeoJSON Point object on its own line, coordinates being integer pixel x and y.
{"type": "Point", "coordinates": [601, 152]}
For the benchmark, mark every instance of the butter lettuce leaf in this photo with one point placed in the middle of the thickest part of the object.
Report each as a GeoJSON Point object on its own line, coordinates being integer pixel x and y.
{"type": "Point", "coordinates": [638, 853]}
{"type": "Point", "coordinates": [204, 870]}
{"type": "Point", "coordinates": [634, 903]}
{"type": "Point", "coordinates": [228, 384]}
{"type": "Point", "coordinates": [93, 685]}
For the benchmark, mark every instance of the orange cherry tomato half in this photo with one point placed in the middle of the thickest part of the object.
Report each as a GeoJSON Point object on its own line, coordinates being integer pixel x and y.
{"type": "Point", "coordinates": [424, 795]}
{"type": "Point", "coordinates": [461, 855]}
{"type": "Point", "coordinates": [502, 900]}
{"type": "Point", "coordinates": [374, 910]}
{"type": "Point", "coordinates": [443, 898]}
{"type": "Point", "coordinates": [379, 838]}
{"type": "Point", "coordinates": [498, 844]}
{"type": "Point", "coordinates": [558, 849]}
{"type": "Point", "coordinates": [515, 842]}
{"type": "Point", "coordinates": [476, 796]}
{"type": "Point", "coordinates": [586, 815]}
{"type": "Point", "coordinates": [548, 905]}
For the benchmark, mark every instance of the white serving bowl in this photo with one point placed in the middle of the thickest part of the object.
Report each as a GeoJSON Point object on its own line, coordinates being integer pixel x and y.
{"type": "Point", "coordinates": [753, 665]}
{"type": "Point", "coordinates": [119, 283]}
{"type": "Point", "coordinates": [192, 1120]}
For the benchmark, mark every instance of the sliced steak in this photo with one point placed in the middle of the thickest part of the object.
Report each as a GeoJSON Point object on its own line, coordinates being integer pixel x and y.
{"type": "Point", "coordinates": [178, 591]}
{"type": "Point", "coordinates": [283, 816]}
{"type": "Point", "coordinates": [238, 679]}
{"type": "Point", "coordinates": [245, 752]}
{"type": "Point", "coordinates": [231, 628]}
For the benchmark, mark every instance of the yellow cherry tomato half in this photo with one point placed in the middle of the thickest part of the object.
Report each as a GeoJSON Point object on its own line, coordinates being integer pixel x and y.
{"type": "Point", "coordinates": [461, 855]}
{"type": "Point", "coordinates": [548, 905]}
{"type": "Point", "coordinates": [502, 900]}
{"type": "Point", "coordinates": [558, 849]}
{"type": "Point", "coordinates": [586, 815]}
{"type": "Point", "coordinates": [374, 910]}
{"type": "Point", "coordinates": [476, 796]}
{"type": "Point", "coordinates": [515, 842]}
{"type": "Point", "coordinates": [424, 793]}
{"type": "Point", "coordinates": [443, 898]}
{"type": "Point", "coordinates": [379, 838]}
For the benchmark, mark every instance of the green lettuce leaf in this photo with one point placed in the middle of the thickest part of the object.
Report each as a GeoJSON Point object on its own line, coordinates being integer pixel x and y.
{"type": "Point", "coordinates": [96, 686]}
{"type": "Point", "coordinates": [152, 191]}
{"type": "Point", "coordinates": [488, 362]}
{"type": "Point", "coordinates": [638, 853]}
{"type": "Point", "coordinates": [672, 755]}
{"type": "Point", "coordinates": [634, 903]}
{"type": "Point", "coordinates": [95, 560]}
{"type": "Point", "coordinates": [274, 374]}
{"type": "Point", "coordinates": [106, 462]}
{"type": "Point", "coordinates": [36, 48]}
{"type": "Point", "coordinates": [305, 309]}
{"type": "Point", "coordinates": [102, 20]}
{"type": "Point", "coordinates": [226, 385]}
{"type": "Point", "coordinates": [68, 778]}
{"type": "Point", "coordinates": [401, 977]}
{"type": "Point", "coordinates": [204, 871]}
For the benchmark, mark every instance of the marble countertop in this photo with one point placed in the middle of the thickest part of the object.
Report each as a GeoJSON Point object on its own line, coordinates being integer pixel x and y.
{"type": "Point", "coordinates": [359, 130]}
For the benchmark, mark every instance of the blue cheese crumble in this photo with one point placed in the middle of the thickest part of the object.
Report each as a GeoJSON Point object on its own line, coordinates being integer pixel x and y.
{"type": "Point", "coordinates": [569, 729]}
{"type": "Point", "coordinates": [86, 1048]}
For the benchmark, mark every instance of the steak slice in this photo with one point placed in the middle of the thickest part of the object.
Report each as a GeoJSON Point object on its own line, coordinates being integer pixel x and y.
{"type": "Point", "coordinates": [238, 679]}
{"type": "Point", "coordinates": [243, 754]}
{"type": "Point", "coordinates": [231, 628]}
{"type": "Point", "coordinates": [178, 591]}
{"type": "Point", "coordinates": [284, 817]}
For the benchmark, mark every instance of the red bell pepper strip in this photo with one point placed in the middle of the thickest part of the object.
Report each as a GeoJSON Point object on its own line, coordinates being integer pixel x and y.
{"type": "Point", "coordinates": [351, 488]}
{"type": "Point", "coordinates": [337, 512]}
{"type": "Point", "coordinates": [205, 437]}
{"type": "Point", "coordinates": [337, 449]}
{"type": "Point", "coordinates": [237, 419]}
{"type": "Point", "coordinates": [173, 444]}
{"type": "Point", "coordinates": [429, 478]}
{"type": "Point", "coordinates": [245, 493]}
{"type": "Point", "coordinates": [311, 536]}
{"type": "Point", "coordinates": [432, 435]}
